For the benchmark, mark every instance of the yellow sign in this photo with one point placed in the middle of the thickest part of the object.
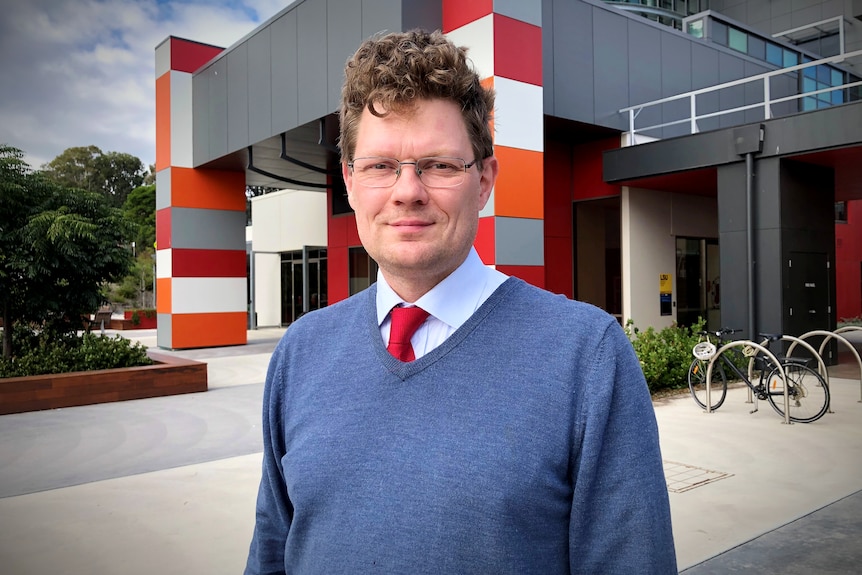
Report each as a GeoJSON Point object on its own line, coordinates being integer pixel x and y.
{"type": "Point", "coordinates": [665, 283]}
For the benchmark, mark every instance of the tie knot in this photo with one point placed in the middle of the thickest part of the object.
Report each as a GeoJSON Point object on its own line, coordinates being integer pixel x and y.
{"type": "Point", "coordinates": [405, 322]}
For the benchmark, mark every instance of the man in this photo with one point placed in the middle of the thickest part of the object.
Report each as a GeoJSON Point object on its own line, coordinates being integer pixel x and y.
{"type": "Point", "coordinates": [514, 435]}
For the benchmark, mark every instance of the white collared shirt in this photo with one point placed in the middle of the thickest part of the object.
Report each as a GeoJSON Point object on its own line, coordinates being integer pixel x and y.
{"type": "Point", "coordinates": [450, 303]}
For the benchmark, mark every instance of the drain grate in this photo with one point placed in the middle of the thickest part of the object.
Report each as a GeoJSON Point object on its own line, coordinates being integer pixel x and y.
{"type": "Point", "coordinates": [681, 477]}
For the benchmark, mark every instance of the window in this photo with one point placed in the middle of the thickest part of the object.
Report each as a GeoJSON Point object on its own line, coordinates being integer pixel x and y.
{"type": "Point", "coordinates": [362, 270]}
{"type": "Point", "coordinates": [841, 212]}
{"type": "Point", "coordinates": [696, 28]}
{"type": "Point", "coordinates": [773, 54]}
{"type": "Point", "coordinates": [791, 58]}
{"type": "Point", "coordinates": [737, 39]}
{"type": "Point", "coordinates": [757, 48]}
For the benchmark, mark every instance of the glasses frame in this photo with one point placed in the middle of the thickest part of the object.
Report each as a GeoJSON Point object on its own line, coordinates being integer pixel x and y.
{"type": "Point", "coordinates": [415, 164]}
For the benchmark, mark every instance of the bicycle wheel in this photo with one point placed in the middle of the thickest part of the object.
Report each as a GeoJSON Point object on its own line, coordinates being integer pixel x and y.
{"type": "Point", "coordinates": [697, 384]}
{"type": "Point", "coordinates": [809, 393]}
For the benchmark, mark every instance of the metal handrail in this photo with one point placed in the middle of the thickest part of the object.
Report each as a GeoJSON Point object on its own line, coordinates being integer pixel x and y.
{"type": "Point", "coordinates": [766, 103]}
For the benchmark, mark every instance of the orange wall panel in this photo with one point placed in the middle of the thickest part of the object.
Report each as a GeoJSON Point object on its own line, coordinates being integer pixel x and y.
{"type": "Point", "coordinates": [163, 295]}
{"type": "Point", "coordinates": [208, 189]}
{"type": "Point", "coordinates": [519, 191]}
{"type": "Point", "coordinates": [208, 329]}
{"type": "Point", "coordinates": [163, 121]}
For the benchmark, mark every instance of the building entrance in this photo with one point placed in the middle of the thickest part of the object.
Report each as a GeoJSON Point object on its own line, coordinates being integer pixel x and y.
{"type": "Point", "coordinates": [698, 283]}
{"type": "Point", "coordinates": [303, 282]}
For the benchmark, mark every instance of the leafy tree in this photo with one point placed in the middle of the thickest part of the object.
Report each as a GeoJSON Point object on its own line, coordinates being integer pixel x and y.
{"type": "Point", "coordinates": [112, 174]}
{"type": "Point", "coordinates": [140, 210]}
{"type": "Point", "coordinates": [116, 175]}
{"type": "Point", "coordinates": [74, 168]}
{"type": "Point", "coordinates": [58, 246]}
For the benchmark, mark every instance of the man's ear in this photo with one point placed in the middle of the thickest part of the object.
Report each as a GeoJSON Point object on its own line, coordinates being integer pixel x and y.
{"type": "Point", "coordinates": [487, 179]}
{"type": "Point", "coordinates": [348, 182]}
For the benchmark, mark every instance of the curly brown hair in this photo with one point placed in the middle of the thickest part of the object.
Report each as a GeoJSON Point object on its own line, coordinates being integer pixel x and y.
{"type": "Point", "coordinates": [389, 72]}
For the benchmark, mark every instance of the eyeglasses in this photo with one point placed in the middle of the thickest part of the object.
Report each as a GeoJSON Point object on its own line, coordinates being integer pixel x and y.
{"type": "Point", "coordinates": [436, 172]}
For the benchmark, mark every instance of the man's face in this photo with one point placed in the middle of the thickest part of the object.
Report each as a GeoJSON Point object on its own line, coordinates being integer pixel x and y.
{"type": "Point", "coordinates": [414, 232]}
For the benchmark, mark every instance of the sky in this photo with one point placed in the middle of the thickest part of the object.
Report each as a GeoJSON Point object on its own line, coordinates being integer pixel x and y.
{"type": "Point", "coordinates": [82, 72]}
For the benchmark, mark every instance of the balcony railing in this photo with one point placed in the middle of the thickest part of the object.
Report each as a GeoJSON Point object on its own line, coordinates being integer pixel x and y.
{"type": "Point", "coordinates": [765, 103]}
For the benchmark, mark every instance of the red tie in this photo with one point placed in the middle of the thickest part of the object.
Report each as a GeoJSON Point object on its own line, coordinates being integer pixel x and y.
{"type": "Point", "coordinates": [405, 322]}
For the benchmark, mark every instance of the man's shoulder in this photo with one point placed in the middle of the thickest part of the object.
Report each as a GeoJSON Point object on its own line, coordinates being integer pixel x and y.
{"type": "Point", "coordinates": [547, 304]}
{"type": "Point", "coordinates": [343, 315]}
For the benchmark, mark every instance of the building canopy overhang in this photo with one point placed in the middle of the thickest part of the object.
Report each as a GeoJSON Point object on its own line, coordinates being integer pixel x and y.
{"type": "Point", "coordinates": [828, 138]}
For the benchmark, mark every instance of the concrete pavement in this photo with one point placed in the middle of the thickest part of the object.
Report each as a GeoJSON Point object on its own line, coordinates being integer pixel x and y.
{"type": "Point", "coordinates": [167, 485]}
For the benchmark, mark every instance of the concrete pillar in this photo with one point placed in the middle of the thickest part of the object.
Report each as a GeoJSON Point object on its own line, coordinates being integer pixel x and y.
{"type": "Point", "coordinates": [200, 219]}
{"type": "Point", "coordinates": [505, 45]}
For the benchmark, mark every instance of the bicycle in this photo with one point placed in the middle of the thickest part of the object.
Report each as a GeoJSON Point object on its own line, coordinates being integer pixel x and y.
{"type": "Point", "coordinates": [807, 391]}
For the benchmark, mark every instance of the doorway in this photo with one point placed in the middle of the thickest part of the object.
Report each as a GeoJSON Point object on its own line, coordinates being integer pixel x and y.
{"type": "Point", "coordinates": [698, 282]}
{"type": "Point", "coordinates": [303, 282]}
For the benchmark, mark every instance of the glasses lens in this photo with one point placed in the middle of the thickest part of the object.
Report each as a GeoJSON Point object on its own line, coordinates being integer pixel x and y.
{"type": "Point", "coordinates": [441, 172]}
{"type": "Point", "coordinates": [436, 172]}
{"type": "Point", "coordinates": [375, 172]}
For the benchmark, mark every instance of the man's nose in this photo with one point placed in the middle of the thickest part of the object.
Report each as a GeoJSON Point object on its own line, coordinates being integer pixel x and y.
{"type": "Point", "coordinates": [409, 187]}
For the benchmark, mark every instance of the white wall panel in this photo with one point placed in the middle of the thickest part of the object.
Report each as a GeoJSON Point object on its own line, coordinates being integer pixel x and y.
{"type": "Point", "coordinates": [288, 220]}
{"type": "Point", "coordinates": [164, 263]}
{"type": "Point", "coordinates": [208, 295]}
{"type": "Point", "coordinates": [181, 119]}
{"type": "Point", "coordinates": [478, 36]}
{"type": "Point", "coordinates": [518, 119]}
{"type": "Point", "coordinates": [267, 289]}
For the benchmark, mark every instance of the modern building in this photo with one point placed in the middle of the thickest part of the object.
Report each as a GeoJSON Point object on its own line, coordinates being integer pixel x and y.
{"type": "Point", "coordinates": [665, 160]}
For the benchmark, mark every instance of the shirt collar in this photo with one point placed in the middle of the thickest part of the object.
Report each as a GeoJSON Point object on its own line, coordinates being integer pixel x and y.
{"type": "Point", "coordinates": [452, 301]}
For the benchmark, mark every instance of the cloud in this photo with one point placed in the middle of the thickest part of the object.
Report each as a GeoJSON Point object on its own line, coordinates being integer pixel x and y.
{"type": "Point", "coordinates": [82, 72]}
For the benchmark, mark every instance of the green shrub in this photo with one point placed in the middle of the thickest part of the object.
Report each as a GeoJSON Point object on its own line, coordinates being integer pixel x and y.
{"type": "Point", "coordinates": [665, 355]}
{"type": "Point", "coordinates": [40, 353]}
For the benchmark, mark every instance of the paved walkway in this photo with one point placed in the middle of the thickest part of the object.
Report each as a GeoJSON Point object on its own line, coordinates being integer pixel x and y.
{"type": "Point", "coordinates": [167, 485]}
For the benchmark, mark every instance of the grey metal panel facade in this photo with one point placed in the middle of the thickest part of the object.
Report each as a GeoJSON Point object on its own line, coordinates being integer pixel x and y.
{"type": "Point", "coordinates": [731, 68]}
{"type": "Point", "coordinates": [217, 109]}
{"type": "Point", "coordinates": [284, 58]}
{"type": "Point", "coordinates": [518, 9]}
{"type": "Point", "coordinates": [237, 97]}
{"type": "Point", "coordinates": [289, 72]}
{"type": "Point", "coordinates": [414, 13]}
{"type": "Point", "coordinates": [201, 114]}
{"type": "Point", "coordinates": [344, 37]}
{"type": "Point", "coordinates": [207, 229]}
{"type": "Point", "coordinates": [645, 71]}
{"type": "Point", "coordinates": [611, 62]}
{"type": "Point", "coordinates": [519, 241]}
{"type": "Point", "coordinates": [676, 65]}
{"type": "Point", "coordinates": [569, 78]}
{"type": "Point", "coordinates": [312, 63]}
{"type": "Point", "coordinates": [598, 59]}
{"type": "Point", "coordinates": [260, 85]}
{"type": "Point", "coordinates": [704, 73]}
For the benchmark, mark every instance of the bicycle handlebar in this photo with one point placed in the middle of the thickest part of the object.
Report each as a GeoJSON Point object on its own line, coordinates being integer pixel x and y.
{"type": "Point", "coordinates": [721, 332]}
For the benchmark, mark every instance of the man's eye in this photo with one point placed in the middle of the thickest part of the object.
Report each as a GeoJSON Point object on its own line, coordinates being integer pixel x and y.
{"type": "Point", "coordinates": [439, 166]}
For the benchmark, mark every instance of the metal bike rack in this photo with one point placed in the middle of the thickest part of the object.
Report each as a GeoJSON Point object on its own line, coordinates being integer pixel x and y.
{"type": "Point", "coordinates": [765, 352]}
{"type": "Point", "coordinates": [835, 334]}
{"type": "Point", "coordinates": [818, 354]}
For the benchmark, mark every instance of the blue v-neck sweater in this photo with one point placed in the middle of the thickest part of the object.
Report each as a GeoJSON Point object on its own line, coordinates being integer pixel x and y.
{"type": "Point", "coordinates": [525, 443]}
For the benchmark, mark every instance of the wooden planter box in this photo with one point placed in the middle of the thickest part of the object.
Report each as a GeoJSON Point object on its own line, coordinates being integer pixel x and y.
{"type": "Point", "coordinates": [169, 376]}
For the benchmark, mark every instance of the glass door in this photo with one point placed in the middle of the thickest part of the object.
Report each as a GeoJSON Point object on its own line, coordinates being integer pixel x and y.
{"type": "Point", "coordinates": [698, 284]}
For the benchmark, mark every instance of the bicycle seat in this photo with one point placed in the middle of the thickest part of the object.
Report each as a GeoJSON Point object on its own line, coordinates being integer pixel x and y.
{"type": "Point", "coordinates": [771, 336]}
